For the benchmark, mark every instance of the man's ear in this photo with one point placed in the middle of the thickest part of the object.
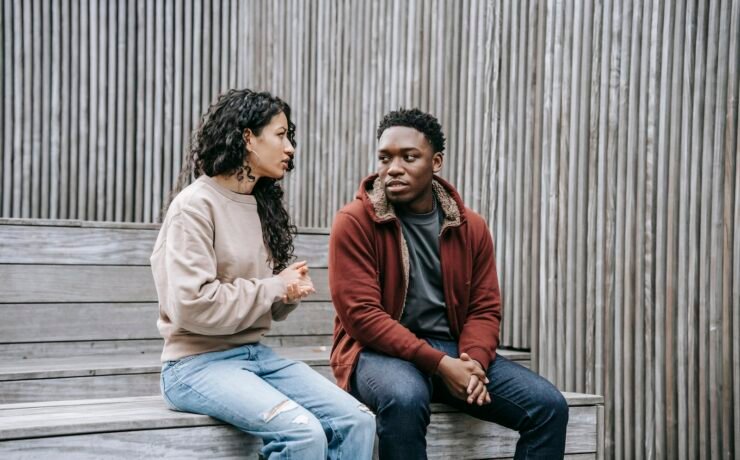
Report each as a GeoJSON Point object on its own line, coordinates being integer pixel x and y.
{"type": "Point", "coordinates": [437, 161]}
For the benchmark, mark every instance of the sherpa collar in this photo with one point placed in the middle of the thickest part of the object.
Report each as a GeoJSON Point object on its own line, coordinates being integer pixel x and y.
{"type": "Point", "coordinates": [445, 194]}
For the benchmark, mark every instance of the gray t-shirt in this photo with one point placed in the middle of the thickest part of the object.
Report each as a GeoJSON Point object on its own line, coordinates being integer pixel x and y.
{"type": "Point", "coordinates": [425, 312]}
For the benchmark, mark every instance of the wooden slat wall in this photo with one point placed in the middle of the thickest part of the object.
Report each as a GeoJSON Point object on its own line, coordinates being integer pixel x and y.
{"type": "Point", "coordinates": [599, 139]}
{"type": "Point", "coordinates": [631, 189]}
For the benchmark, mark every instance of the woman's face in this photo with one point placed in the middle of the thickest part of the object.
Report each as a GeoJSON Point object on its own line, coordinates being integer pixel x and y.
{"type": "Point", "coordinates": [271, 152]}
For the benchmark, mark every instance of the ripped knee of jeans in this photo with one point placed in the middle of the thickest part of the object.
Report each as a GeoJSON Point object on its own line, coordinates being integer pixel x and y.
{"type": "Point", "coordinates": [365, 409]}
{"type": "Point", "coordinates": [284, 406]}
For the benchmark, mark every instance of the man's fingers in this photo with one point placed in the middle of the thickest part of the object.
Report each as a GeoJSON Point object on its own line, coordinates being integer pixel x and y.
{"type": "Point", "coordinates": [483, 397]}
{"type": "Point", "coordinates": [476, 393]}
{"type": "Point", "coordinates": [472, 383]}
{"type": "Point", "coordinates": [480, 373]}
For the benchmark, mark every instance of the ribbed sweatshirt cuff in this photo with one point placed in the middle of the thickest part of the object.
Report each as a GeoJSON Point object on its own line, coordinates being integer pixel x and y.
{"type": "Point", "coordinates": [427, 358]}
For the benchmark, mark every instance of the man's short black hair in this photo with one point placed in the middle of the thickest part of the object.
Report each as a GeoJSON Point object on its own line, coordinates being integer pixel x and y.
{"type": "Point", "coordinates": [423, 122]}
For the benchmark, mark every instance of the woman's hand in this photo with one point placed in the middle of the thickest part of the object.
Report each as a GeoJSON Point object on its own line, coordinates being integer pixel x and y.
{"type": "Point", "coordinates": [298, 283]}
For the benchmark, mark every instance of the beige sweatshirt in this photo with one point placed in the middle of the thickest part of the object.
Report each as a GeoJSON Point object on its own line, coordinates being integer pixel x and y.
{"type": "Point", "coordinates": [214, 283]}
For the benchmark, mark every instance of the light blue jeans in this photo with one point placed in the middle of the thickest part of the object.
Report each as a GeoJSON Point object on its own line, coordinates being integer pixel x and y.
{"type": "Point", "coordinates": [297, 412]}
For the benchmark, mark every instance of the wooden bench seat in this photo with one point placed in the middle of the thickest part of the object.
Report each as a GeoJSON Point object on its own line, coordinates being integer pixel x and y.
{"type": "Point", "coordinates": [79, 355]}
{"type": "Point", "coordinates": [144, 426]}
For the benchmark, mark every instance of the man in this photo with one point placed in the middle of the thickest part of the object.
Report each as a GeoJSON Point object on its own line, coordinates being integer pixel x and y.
{"type": "Point", "coordinates": [414, 283]}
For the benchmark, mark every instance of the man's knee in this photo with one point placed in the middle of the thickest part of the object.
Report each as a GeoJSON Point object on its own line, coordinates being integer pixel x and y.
{"type": "Point", "coordinates": [554, 407]}
{"type": "Point", "coordinates": [406, 399]}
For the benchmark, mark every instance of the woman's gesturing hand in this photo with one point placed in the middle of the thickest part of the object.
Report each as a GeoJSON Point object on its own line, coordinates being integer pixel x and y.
{"type": "Point", "coordinates": [298, 283]}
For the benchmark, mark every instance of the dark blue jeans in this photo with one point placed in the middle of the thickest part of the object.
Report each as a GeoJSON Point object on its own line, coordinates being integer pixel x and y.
{"type": "Point", "coordinates": [400, 394]}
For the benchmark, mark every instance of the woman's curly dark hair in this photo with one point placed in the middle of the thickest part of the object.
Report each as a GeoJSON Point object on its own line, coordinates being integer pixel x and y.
{"type": "Point", "coordinates": [217, 147]}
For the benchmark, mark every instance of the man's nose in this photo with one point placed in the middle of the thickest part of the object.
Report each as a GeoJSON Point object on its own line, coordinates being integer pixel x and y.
{"type": "Point", "coordinates": [394, 169]}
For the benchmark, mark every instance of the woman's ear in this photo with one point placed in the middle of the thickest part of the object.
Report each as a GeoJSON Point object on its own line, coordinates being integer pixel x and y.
{"type": "Point", "coordinates": [248, 137]}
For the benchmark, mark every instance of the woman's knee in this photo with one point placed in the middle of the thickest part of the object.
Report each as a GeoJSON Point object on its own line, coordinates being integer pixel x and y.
{"type": "Point", "coordinates": [363, 420]}
{"type": "Point", "coordinates": [303, 433]}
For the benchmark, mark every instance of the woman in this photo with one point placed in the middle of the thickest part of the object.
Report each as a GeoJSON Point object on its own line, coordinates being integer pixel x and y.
{"type": "Point", "coordinates": [221, 268]}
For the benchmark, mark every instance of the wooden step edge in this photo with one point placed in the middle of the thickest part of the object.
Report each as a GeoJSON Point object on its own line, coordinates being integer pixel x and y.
{"type": "Point", "coordinates": [148, 364]}
{"type": "Point", "coordinates": [65, 418]}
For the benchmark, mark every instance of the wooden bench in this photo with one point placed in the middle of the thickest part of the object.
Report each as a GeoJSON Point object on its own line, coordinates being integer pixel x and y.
{"type": "Point", "coordinates": [79, 354]}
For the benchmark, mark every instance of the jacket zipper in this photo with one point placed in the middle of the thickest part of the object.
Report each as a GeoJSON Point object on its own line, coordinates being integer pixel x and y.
{"type": "Point", "coordinates": [401, 243]}
{"type": "Point", "coordinates": [450, 316]}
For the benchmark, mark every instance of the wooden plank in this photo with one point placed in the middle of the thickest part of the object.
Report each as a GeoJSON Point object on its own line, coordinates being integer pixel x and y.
{"type": "Point", "coordinates": [141, 363]}
{"type": "Point", "coordinates": [148, 110]}
{"type": "Point", "coordinates": [44, 60]}
{"type": "Point", "coordinates": [629, 151]}
{"type": "Point", "coordinates": [227, 442]}
{"type": "Point", "coordinates": [21, 421]}
{"type": "Point", "coordinates": [650, 258]}
{"type": "Point", "coordinates": [114, 124]}
{"type": "Point", "coordinates": [91, 283]}
{"type": "Point", "coordinates": [124, 321]}
{"type": "Point", "coordinates": [708, 429]}
{"type": "Point", "coordinates": [159, 103]}
{"type": "Point", "coordinates": [683, 295]}
{"type": "Point", "coordinates": [15, 12]}
{"type": "Point", "coordinates": [144, 358]}
{"type": "Point", "coordinates": [98, 173]}
{"type": "Point", "coordinates": [20, 352]}
{"type": "Point", "coordinates": [36, 127]}
{"type": "Point", "coordinates": [179, 97]}
{"type": "Point", "coordinates": [641, 305]}
{"type": "Point", "coordinates": [730, 436]}
{"type": "Point", "coordinates": [24, 163]}
{"type": "Point", "coordinates": [96, 81]}
{"type": "Point", "coordinates": [719, 417]}
{"type": "Point", "coordinates": [694, 364]}
{"type": "Point", "coordinates": [124, 104]}
{"type": "Point", "coordinates": [168, 101]}
{"type": "Point", "coordinates": [673, 316]}
{"type": "Point", "coordinates": [8, 104]}
{"type": "Point", "coordinates": [136, 169]}
{"type": "Point", "coordinates": [734, 357]}
{"type": "Point", "coordinates": [592, 190]}
{"type": "Point", "coordinates": [113, 245]}
{"type": "Point", "coordinates": [185, 443]}
{"type": "Point", "coordinates": [75, 107]}
{"type": "Point", "coordinates": [56, 108]}
{"type": "Point", "coordinates": [75, 388]}
{"type": "Point", "coordinates": [77, 284]}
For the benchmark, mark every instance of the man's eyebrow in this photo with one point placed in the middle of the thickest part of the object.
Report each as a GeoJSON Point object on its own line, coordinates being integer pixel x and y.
{"type": "Point", "coordinates": [402, 149]}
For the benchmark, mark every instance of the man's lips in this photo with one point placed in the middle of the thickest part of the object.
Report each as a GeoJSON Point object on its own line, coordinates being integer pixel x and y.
{"type": "Point", "coordinates": [395, 185]}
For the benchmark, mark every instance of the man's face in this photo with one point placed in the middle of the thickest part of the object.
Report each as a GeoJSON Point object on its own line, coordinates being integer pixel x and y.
{"type": "Point", "coordinates": [406, 164]}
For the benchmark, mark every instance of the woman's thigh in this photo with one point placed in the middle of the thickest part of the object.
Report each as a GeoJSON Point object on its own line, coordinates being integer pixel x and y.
{"type": "Point", "coordinates": [231, 390]}
{"type": "Point", "coordinates": [307, 387]}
